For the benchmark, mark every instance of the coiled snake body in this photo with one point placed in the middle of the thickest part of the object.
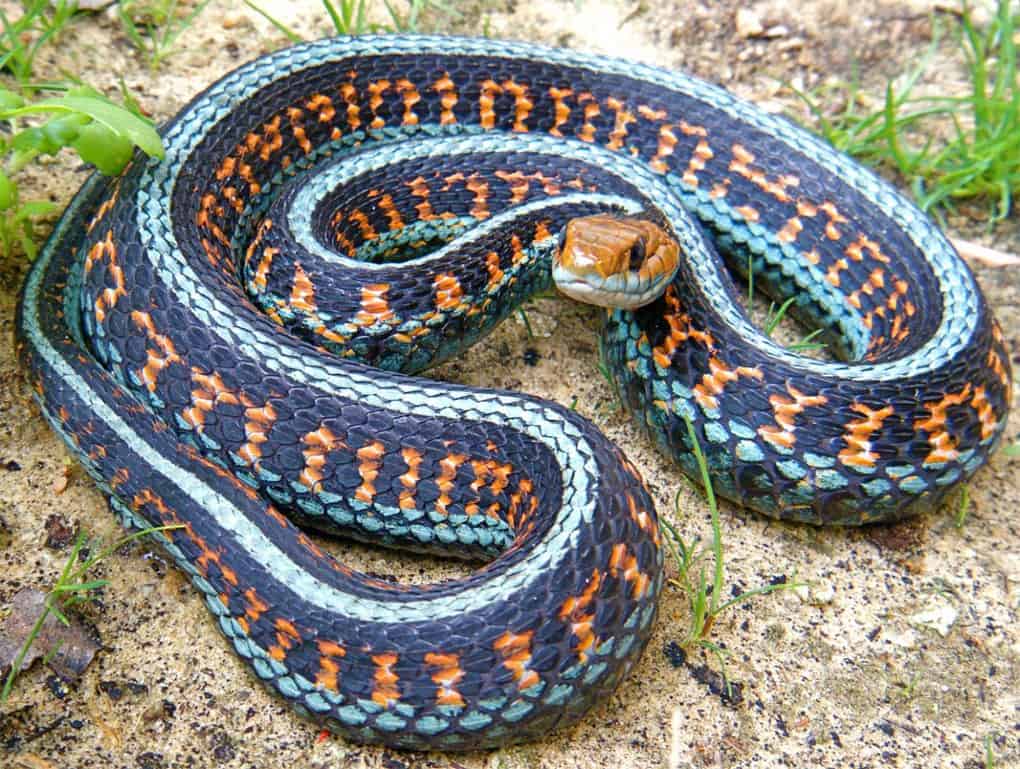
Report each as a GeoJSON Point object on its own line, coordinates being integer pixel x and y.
{"type": "Point", "coordinates": [391, 199]}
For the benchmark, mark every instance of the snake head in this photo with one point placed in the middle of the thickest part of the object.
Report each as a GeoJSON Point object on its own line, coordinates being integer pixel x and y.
{"type": "Point", "coordinates": [614, 261]}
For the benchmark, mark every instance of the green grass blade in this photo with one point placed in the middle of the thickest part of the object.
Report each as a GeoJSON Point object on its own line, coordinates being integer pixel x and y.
{"type": "Point", "coordinates": [334, 16]}
{"type": "Point", "coordinates": [290, 34]}
{"type": "Point", "coordinates": [776, 318]}
{"type": "Point", "coordinates": [94, 584]}
{"type": "Point", "coordinates": [760, 590]}
{"type": "Point", "coordinates": [713, 506]}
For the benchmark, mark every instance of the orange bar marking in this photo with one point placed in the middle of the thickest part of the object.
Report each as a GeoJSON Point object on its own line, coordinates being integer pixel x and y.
{"type": "Point", "coordinates": [386, 691]}
{"type": "Point", "coordinates": [449, 294]}
{"type": "Point", "coordinates": [785, 410]}
{"type": "Point", "coordinates": [369, 460]}
{"type": "Point", "coordinates": [302, 293]}
{"type": "Point", "coordinates": [446, 676]}
{"type": "Point", "coordinates": [858, 452]}
{"type": "Point", "coordinates": [448, 98]}
{"type": "Point", "coordinates": [515, 648]}
{"type": "Point", "coordinates": [561, 111]}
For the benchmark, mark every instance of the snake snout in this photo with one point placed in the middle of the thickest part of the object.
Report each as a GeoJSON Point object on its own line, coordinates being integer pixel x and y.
{"type": "Point", "coordinates": [613, 261]}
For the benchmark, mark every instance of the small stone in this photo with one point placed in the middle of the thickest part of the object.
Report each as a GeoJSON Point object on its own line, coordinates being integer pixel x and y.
{"type": "Point", "coordinates": [111, 689]}
{"type": "Point", "coordinates": [905, 640]}
{"type": "Point", "coordinates": [773, 106]}
{"type": "Point", "coordinates": [822, 593]}
{"type": "Point", "coordinates": [939, 616]}
{"type": "Point", "coordinates": [223, 749]}
{"type": "Point", "coordinates": [235, 20]}
{"type": "Point", "coordinates": [748, 23]}
{"type": "Point", "coordinates": [58, 686]}
{"type": "Point", "coordinates": [150, 760]}
{"type": "Point", "coordinates": [675, 654]}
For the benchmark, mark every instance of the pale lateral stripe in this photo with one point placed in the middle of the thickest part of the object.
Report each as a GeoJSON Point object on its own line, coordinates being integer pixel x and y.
{"type": "Point", "coordinates": [302, 207]}
{"type": "Point", "coordinates": [252, 540]}
{"type": "Point", "coordinates": [956, 285]}
{"type": "Point", "coordinates": [957, 293]}
{"type": "Point", "coordinates": [262, 550]}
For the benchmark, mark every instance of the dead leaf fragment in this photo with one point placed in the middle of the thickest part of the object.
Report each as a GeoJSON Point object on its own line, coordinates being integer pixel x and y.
{"type": "Point", "coordinates": [32, 761]}
{"type": "Point", "coordinates": [61, 481]}
{"type": "Point", "coordinates": [59, 532]}
{"type": "Point", "coordinates": [987, 256]}
{"type": "Point", "coordinates": [68, 649]}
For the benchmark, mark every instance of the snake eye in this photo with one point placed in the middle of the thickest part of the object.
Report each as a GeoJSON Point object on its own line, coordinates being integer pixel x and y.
{"type": "Point", "coordinates": [637, 254]}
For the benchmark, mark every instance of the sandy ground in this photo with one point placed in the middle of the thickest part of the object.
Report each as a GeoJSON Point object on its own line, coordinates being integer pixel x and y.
{"type": "Point", "coordinates": [851, 671]}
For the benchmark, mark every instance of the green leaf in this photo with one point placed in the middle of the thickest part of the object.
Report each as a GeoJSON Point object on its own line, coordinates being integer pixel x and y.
{"type": "Point", "coordinates": [34, 208]}
{"type": "Point", "coordinates": [35, 141]}
{"type": "Point", "coordinates": [104, 112]}
{"type": "Point", "coordinates": [138, 131]}
{"type": "Point", "coordinates": [29, 246]}
{"type": "Point", "coordinates": [8, 192]}
{"type": "Point", "coordinates": [130, 102]}
{"type": "Point", "coordinates": [84, 89]}
{"type": "Point", "coordinates": [106, 149]}
{"type": "Point", "coordinates": [62, 130]}
{"type": "Point", "coordinates": [10, 100]}
{"type": "Point", "coordinates": [1012, 450]}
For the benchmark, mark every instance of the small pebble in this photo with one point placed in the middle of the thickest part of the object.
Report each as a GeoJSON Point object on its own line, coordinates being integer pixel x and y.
{"type": "Point", "coordinates": [939, 616]}
{"type": "Point", "coordinates": [748, 23]}
{"type": "Point", "coordinates": [235, 20]}
{"type": "Point", "coordinates": [675, 654]}
{"type": "Point", "coordinates": [822, 593]}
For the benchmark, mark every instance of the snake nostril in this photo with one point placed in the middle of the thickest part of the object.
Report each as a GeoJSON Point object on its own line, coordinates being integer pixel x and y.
{"type": "Point", "coordinates": [637, 254]}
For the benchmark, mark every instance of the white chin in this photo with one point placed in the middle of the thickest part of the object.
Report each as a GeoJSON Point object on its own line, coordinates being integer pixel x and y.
{"type": "Point", "coordinates": [582, 292]}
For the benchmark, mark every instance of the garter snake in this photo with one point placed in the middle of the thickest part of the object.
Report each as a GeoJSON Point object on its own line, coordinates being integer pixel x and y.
{"type": "Point", "coordinates": [225, 340]}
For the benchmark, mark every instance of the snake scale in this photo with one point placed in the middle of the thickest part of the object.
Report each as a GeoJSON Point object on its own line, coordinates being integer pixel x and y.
{"type": "Point", "coordinates": [226, 338]}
